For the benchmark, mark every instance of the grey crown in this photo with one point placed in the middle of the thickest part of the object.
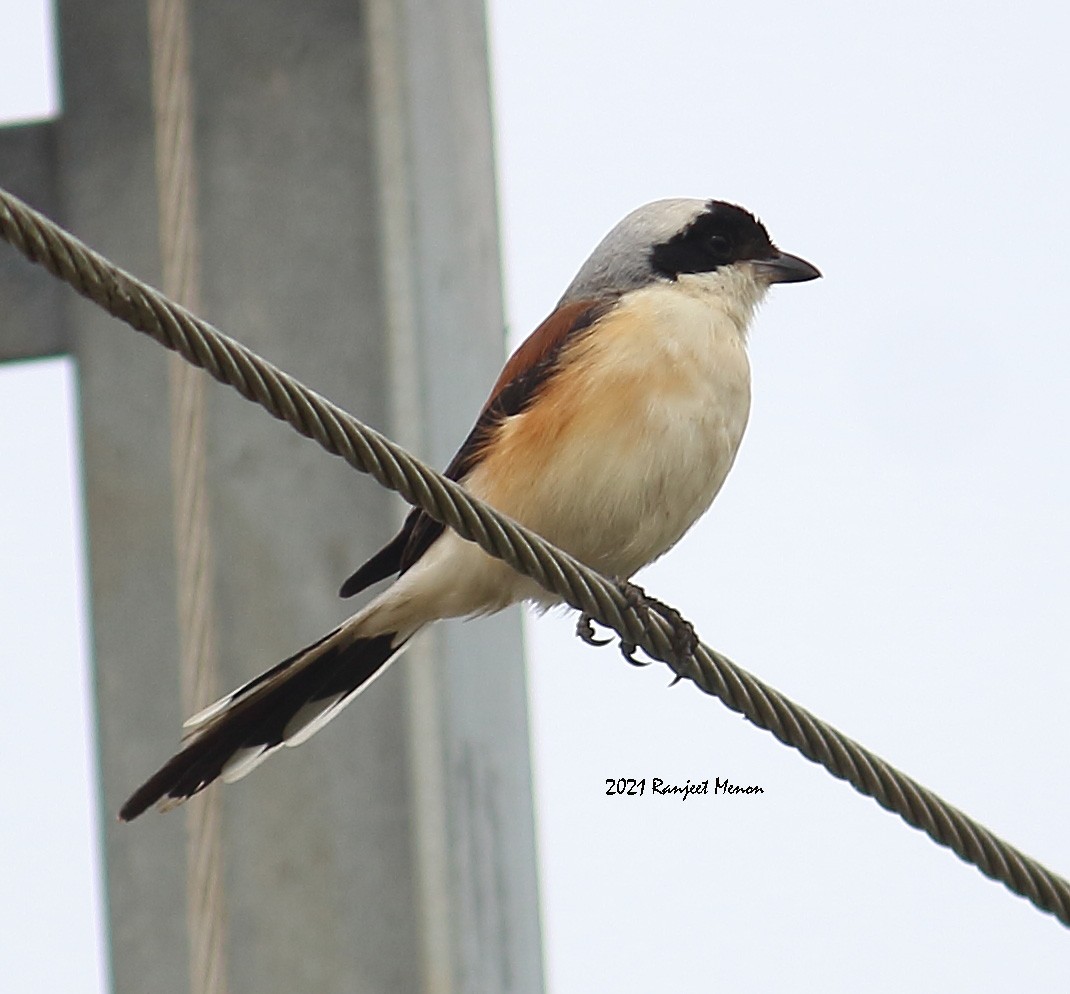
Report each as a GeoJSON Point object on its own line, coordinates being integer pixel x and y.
{"type": "Point", "coordinates": [621, 260]}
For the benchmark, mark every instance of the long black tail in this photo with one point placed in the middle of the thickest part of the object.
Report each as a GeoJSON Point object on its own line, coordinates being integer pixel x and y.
{"type": "Point", "coordinates": [283, 706]}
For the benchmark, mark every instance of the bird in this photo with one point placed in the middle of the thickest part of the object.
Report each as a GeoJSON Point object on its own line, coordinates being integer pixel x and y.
{"type": "Point", "coordinates": [609, 432]}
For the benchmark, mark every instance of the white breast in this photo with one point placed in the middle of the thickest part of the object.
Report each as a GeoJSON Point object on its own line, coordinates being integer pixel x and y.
{"type": "Point", "coordinates": [631, 442]}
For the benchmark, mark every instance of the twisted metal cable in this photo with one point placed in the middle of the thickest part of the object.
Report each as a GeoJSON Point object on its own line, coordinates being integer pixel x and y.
{"type": "Point", "coordinates": [144, 309]}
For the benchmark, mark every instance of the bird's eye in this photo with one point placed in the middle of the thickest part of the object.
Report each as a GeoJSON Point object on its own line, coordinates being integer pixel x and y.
{"type": "Point", "coordinates": [720, 245]}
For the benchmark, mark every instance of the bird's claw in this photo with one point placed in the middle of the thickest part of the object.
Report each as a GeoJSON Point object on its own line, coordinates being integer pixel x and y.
{"type": "Point", "coordinates": [627, 650]}
{"type": "Point", "coordinates": [684, 640]}
{"type": "Point", "coordinates": [585, 630]}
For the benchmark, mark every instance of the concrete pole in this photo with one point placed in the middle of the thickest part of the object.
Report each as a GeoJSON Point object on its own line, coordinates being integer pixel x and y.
{"type": "Point", "coordinates": [348, 232]}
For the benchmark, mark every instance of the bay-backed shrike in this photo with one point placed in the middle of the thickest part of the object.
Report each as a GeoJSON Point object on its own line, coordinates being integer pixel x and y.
{"type": "Point", "coordinates": [609, 432]}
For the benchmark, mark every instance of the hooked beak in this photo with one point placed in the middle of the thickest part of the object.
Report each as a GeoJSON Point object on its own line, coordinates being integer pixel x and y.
{"type": "Point", "coordinates": [786, 268]}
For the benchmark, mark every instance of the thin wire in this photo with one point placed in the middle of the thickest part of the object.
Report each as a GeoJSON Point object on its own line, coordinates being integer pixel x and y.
{"type": "Point", "coordinates": [146, 310]}
{"type": "Point", "coordinates": [172, 93]}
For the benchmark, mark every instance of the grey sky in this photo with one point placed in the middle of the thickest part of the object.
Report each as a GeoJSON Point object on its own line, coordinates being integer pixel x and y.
{"type": "Point", "coordinates": [891, 548]}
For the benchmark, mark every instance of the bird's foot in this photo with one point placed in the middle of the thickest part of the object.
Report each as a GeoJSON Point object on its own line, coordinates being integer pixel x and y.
{"type": "Point", "coordinates": [684, 639]}
{"type": "Point", "coordinates": [585, 631]}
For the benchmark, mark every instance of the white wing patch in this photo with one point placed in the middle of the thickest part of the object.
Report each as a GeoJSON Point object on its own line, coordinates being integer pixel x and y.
{"type": "Point", "coordinates": [244, 761]}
